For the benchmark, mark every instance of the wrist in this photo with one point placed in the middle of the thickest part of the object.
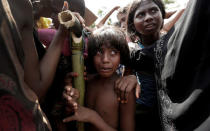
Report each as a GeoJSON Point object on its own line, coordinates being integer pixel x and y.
{"type": "Point", "coordinates": [62, 31]}
{"type": "Point", "coordinates": [98, 122]}
{"type": "Point", "coordinates": [93, 117]}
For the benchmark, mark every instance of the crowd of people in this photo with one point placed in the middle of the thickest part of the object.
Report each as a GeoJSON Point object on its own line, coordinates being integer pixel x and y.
{"type": "Point", "coordinates": [147, 71]}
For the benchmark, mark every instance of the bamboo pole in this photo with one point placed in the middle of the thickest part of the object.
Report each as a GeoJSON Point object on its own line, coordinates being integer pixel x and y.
{"type": "Point", "coordinates": [78, 66]}
{"type": "Point", "coordinates": [68, 19]}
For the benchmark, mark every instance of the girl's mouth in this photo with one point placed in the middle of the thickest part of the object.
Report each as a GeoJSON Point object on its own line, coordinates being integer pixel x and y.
{"type": "Point", "coordinates": [106, 69]}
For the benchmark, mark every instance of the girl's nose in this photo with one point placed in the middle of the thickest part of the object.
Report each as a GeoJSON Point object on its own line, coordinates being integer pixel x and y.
{"type": "Point", "coordinates": [148, 17]}
{"type": "Point", "coordinates": [105, 58]}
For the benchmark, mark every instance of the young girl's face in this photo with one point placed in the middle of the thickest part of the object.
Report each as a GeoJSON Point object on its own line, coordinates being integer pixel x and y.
{"type": "Point", "coordinates": [106, 61]}
{"type": "Point", "coordinates": [148, 18]}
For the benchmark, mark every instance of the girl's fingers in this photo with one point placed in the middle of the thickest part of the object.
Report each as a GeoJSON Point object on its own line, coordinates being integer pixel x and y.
{"type": "Point", "coordinates": [123, 92]}
{"type": "Point", "coordinates": [67, 88]}
{"type": "Point", "coordinates": [126, 97]}
{"type": "Point", "coordinates": [117, 90]}
{"type": "Point", "coordinates": [68, 119]}
{"type": "Point", "coordinates": [79, 17]}
{"type": "Point", "coordinates": [65, 6]}
{"type": "Point", "coordinates": [138, 90]}
{"type": "Point", "coordinates": [71, 74]}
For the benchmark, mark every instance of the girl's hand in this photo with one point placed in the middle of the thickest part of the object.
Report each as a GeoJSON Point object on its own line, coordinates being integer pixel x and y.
{"type": "Point", "coordinates": [70, 94]}
{"type": "Point", "coordinates": [82, 114]}
{"type": "Point", "coordinates": [124, 85]}
{"type": "Point", "coordinates": [79, 17]}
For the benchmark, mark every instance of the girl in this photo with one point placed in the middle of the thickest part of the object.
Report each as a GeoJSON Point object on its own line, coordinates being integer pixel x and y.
{"type": "Point", "coordinates": [107, 48]}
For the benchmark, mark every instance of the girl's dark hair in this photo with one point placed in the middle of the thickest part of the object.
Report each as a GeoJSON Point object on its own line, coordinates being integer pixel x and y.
{"type": "Point", "coordinates": [134, 6]}
{"type": "Point", "coordinates": [111, 37]}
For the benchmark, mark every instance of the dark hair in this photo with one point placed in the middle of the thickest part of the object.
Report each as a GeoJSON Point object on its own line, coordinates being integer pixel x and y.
{"type": "Point", "coordinates": [74, 5]}
{"type": "Point", "coordinates": [134, 6]}
{"type": "Point", "coordinates": [124, 10]}
{"type": "Point", "coordinates": [79, 6]}
{"type": "Point", "coordinates": [117, 24]}
{"type": "Point", "coordinates": [109, 36]}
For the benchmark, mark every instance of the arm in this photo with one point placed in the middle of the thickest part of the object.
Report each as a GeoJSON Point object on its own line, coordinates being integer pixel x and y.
{"type": "Point", "coordinates": [84, 114]}
{"type": "Point", "coordinates": [169, 14]}
{"type": "Point", "coordinates": [127, 114]}
{"type": "Point", "coordinates": [170, 21]}
{"type": "Point", "coordinates": [140, 60]}
{"type": "Point", "coordinates": [124, 86]}
{"type": "Point", "coordinates": [39, 74]}
{"type": "Point", "coordinates": [101, 23]}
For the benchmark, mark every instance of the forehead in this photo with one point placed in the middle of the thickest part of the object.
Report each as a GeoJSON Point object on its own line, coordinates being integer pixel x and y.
{"type": "Point", "coordinates": [53, 3]}
{"type": "Point", "coordinates": [107, 46]}
{"type": "Point", "coordinates": [146, 4]}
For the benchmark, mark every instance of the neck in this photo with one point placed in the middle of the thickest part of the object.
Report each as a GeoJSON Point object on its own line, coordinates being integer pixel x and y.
{"type": "Point", "coordinates": [148, 40]}
{"type": "Point", "coordinates": [105, 79]}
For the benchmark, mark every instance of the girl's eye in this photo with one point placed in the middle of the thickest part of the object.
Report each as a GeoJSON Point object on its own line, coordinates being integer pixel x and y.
{"type": "Point", "coordinates": [154, 10]}
{"type": "Point", "coordinates": [99, 52]}
{"type": "Point", "coordinates": [141, 14]}
{"type": "Point", "coordinates": [114, 52]}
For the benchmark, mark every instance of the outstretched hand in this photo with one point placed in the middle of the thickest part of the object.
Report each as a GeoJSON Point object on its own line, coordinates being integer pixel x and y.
{"type": "Point", "coordinates": [82, 114]}
{"type": "Point", "coordinates": [124, 85]}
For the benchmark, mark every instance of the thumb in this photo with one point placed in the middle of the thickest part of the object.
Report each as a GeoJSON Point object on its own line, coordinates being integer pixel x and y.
{"type": "Point", "coordinates": [68, 119]}
{"type": "Point", "coordinates": [65, 6]}
{"type": "Point", "coordinates": [138, 90]}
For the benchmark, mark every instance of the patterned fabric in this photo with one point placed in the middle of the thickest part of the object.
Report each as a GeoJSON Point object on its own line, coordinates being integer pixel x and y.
{"type": "Point", "coordinates": [183, 71]}
{"type": "Point", "coordinates": [19, 107]}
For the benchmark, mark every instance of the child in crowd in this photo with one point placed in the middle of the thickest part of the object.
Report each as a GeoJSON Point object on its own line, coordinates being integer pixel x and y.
{"type": "Point", "coordinates": [122, 14]}
{"type": "Point", "coordinates": [107, 48]}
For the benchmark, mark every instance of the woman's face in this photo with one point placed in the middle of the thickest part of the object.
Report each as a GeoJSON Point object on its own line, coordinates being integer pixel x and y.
{"type": "Point", "coordinates": [148, 18]}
